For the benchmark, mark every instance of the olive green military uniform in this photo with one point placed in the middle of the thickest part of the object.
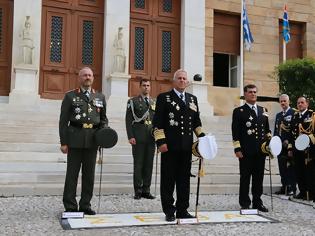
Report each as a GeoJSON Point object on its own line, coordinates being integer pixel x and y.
{"type": "Point", "coordinates": [139, 117]}
{"type": "Point", "coordinates": [81, 115]}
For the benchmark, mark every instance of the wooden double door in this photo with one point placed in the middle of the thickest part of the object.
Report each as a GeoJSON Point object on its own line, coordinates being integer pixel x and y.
{"type": "Point", "coordinates": [154, 43]}
{"type": "Point", "coordinates": [72, 37]}
{"type": "Point", "coordinates": [6, 30]}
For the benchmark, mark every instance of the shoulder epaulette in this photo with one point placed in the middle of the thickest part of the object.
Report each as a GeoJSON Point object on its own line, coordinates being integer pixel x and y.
{"type": "Point", "coordinates": [295, 110]}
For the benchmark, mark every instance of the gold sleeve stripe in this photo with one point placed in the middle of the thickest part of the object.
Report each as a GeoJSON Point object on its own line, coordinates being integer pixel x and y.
{"type": "Point", "coordinates": [312, 138]}
{"type": "Point", "coordinates": [159, 134]}
{"type": "Point", "coordinates": [198, 131]}
{"type": "Point", "coordinates": [236, 144]}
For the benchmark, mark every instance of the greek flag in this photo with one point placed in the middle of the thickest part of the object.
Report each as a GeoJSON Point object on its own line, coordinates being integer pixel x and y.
{"type": "Point", "coordinates": [285, 25]}
{"type": "Point", "coordinates": [248, 38]}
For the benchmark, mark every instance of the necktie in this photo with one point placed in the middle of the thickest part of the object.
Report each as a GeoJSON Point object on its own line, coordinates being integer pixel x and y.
{"type": "Point", "coordinates": [182, 97]}
{"type": "Point", "coordinates": [87, 94]}
{"type": "Point", "coordinates": [254, 109]}
{"type": "Point", "coordinates": [146, 101]}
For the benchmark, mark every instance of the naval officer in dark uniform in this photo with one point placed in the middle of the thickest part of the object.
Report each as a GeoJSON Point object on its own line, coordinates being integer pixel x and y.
{"type": "Point", "coordinates": [176, 119]}
{"type": "Point", "coordinates": [285, 163]}
{"type": "Point", "coordinates": [139, 115]}
{"type": "Point", "coordinates": [83, 111]}
{"type": "Point", "coordinates": [250, 129]}
{"type": "Point", "coordinates": [302, 124]}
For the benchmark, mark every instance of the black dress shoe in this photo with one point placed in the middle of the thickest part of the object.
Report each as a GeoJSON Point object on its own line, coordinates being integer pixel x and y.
{"type": "Point", "coordinates": [88, 211]}
{"type": "Point", "coordinates": [169, 217]}
{"type": "Point", "coordinates": [299, 196]}
{"type": "Point", "coordinates": [244, 207]}
{"type": "Point", "coordinates": [137, 196]}
{"type": "Point", "coordinates": [147, 196]}
{"type": "Point", "coordinates": [184, 215]}
{"type": "Point", "coordinates": [261, 208]}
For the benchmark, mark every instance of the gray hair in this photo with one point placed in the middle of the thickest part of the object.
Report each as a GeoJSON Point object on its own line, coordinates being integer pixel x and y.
{"type": "Point", "coordinates": [285, 96]}
{"type": "Point", "coordinates": [178, 71]}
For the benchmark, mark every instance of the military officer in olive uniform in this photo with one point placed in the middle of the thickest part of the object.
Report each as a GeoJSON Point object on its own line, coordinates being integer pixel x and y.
{"type": "Point", "coordinates": [83, 111]}
{"type": "Point", "coordinates": [175, 120]}
{"type": "Point", "coordinates": [302, 124]}
{"type": "Point", "coordinates": [139, 115]}
{"type": "Point", "coordinates": [250, 129]}
{"type": "Point", "coordinates": [285, 163]}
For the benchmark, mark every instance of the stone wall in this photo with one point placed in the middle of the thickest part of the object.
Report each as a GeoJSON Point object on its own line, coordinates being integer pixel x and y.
{"type": "Point", "coordinates": [260, 62]}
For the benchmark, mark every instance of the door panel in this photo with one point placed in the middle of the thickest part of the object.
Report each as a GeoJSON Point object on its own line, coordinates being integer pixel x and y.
{"type": "Point", "coordinates": [6, 9]}
{"type": "Point", "coordinates": [154, 43]}
{"type": "Point", "coordinates": [73, 39]}
{"type": "Point", "coordinates": [55, 53]}
{"type": "Point", "coordinates": [168, 60]}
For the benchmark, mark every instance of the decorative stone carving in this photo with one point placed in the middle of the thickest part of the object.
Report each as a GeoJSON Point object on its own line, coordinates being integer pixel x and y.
{"type": "Point", "coordinates": [119, 64]}
{"type": "Point", "coordinates": [27, 43]}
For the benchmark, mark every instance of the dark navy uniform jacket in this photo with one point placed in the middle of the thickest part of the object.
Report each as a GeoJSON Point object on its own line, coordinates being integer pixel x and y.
{"type": "Point", "coordinates": [249, 131]}
{"type": "Point", "coordinates": [175, 122]}
{"type": "Point", "coordinates": [283, 124]}
{"type": "Point", "coordinates": [300, 125]}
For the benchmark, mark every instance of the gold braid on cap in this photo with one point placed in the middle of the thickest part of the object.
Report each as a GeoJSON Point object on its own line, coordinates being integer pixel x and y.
{"type": "Point", "coordinates": [159, 134]}
{"type": "Point", "coordinates": [198, 131]}
{"type": "Point", "coordinates": [236, 144]}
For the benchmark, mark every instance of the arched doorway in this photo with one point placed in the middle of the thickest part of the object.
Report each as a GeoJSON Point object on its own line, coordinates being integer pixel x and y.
{"type": "Point", "coordinates": [72, 37]}
{"type": "Point", "coordinates": [154, 43]}
{"type": "Point", "coordinates": [6, 30]}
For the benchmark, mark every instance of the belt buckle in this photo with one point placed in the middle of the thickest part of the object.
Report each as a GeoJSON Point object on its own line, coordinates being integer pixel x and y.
{"type": "Point", "coordinates": [87, 126]}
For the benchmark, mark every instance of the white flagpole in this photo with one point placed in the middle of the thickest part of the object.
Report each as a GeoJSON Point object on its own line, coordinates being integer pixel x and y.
{"type": "Point", "coordinates": [284, 50]}
{"type": "Point", "coordinates": [242, 55]}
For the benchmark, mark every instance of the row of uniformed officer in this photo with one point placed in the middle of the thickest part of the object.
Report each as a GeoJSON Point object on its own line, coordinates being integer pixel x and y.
{"type": "Point", "coordinates": [303, 123]}
{"type": "Point", "coordinates": [283, 130]}
{"type": "Point", "coordinates": [83, 111]}
{"type": "Point", "coordinates": [139, 116]}
{"type": "Point", "coordinates": [250, 129]}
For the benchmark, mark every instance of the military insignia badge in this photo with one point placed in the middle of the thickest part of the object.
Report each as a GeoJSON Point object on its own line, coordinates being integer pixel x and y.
{"type": "Point", "coordinates": [177, 107]}
{"type": "Point", "coordinates": [78, 117]}
{"type": "Point", "coordinates": [171, 115]}
{"type": "Point", "coordinates": [248, 123]}
{"type": "Point", "coordinates": [288, 118]}
{"type": "Point", "coordinates": [249, 132]}
{"type": "Point", "coordinates": [193, 106]}
{"type": "Point", "coordinates": [172, 122]}
{"type": "Point", "coordinates": [84, 114]}
{"type": "Point", "coordinates": [153, 106]}
{"type": "Point", "coordinates": [250, 118]}
{"type": "Point", "coordinates": [173, 103]}
{"type": "Point", "coordinates": [77, 110]}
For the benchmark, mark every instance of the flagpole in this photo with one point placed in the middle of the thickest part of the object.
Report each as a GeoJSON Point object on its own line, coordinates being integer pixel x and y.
{"type": "Point", "coordinates": [284, 50]}
{"type": "Point", "coordinates": [242, 55]}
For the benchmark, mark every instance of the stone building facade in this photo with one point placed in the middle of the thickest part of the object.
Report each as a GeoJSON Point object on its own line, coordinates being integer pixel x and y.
{"type": "Point", "coordinates": [201, 36]}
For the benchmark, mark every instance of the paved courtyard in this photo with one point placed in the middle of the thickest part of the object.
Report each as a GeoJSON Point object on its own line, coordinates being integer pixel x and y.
{"type": "Point", "coordinates": [40, 216]}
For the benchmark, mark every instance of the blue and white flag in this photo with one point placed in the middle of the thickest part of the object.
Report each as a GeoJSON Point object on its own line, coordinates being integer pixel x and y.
{"type": "Point", "coordinates": [285, 25]}
{"type": "Point", "coordinates": [248, 38]}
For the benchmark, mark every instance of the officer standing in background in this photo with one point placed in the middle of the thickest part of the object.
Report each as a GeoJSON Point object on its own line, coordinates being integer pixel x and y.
{"type": "Point", "coordinates": [301, 124]}
{"type": "Point", "coordinates": [139, 115]}
{"type": "Point", "coordinates": [282, 129]}
{"type": "Point", "coordinates": [83, 111]}
{"type": "Point", "coordinates": [250, 129]}
{"type": "Point", "coordinates": [175, 120]}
